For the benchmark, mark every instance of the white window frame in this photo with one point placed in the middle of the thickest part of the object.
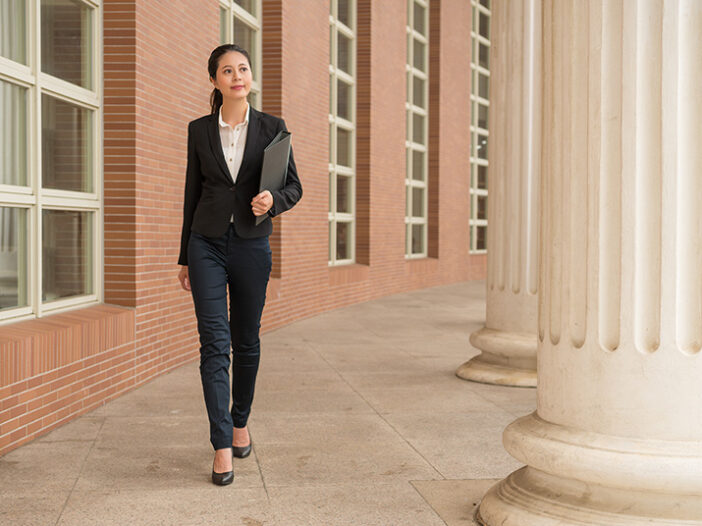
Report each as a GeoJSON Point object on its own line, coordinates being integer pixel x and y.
{"type": "Point", "coordinates": [336, 122]}
{"type": "Point", "coordinates": [475, 130]}
{"type": "Point", "coordinates": [33, 197]}
{"type": "Point", "coordinates": [231, 10]}
{"type": "Point", "coordinates": [411, 146]}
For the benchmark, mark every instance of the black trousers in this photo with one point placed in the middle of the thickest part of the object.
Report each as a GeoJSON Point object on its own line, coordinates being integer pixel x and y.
{"type": "Point", "coordinates": [243, 265]}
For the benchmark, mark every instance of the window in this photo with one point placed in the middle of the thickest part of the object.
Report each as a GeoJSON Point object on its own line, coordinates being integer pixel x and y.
{"type": "Point", "coordinates": [342, 132]}
{"type": "Point", "coordinates": [240, 24]}
{"type": "Point", "coordinates": [417, 106]}
{"type": "Point", "coordinates": [50, 156]}
{"type": "Point", "coordinates": [479, 109]}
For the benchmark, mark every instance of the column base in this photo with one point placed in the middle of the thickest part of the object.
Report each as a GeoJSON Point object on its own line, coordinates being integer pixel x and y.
{"type": "Point", "coordinates": [577, 477]}
{"type": "Point", "coordinates": [478, 370]}
{"type": "Point", "coordinates": [529, 497]}
{"type": "Point", "coordinates": [508, 358]}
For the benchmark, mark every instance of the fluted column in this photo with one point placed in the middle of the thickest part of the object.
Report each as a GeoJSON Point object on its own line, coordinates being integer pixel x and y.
{"type": "Point", "coordinates": [508, 340]}
{"type": "Point", "coordinates": [617, 435]}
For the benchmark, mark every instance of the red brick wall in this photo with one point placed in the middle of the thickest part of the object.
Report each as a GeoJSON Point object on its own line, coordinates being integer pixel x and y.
{"type": "Point", "coordinates": [155, 61]}
{"type": "Point", "coordinates": [172, 47]}
{"type": "Point", "coordinates": [57, 368]}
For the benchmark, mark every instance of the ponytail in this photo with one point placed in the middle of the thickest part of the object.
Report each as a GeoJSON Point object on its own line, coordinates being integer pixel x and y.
{"type": "Point", "coordinates": [215, 100]}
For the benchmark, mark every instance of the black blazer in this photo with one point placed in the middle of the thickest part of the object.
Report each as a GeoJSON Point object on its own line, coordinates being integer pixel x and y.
{"type": "Point", "coordinates": [210, 195]}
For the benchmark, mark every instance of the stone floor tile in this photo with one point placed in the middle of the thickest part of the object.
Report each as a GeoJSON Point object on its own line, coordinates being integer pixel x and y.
{"type": "Point", "coordinates": [290, 357]}
{"type": "Point", "coordinates": [43, 466]}
{"type": "Point", "coordinates": [205, 505]}
{"type": "Point", "coordinates": [450, 396]}
{"type": "Point", "coordinates": [326, 379]}
{"type": "Point", "coordinates": [83, 429]}
{"type": "Point", "coordinates": [303, 402]}
{"type": "Point", "coordinates": [518, 401]}
{"type": "Point", "coordinates": [328, 449]}
{"type": "Point", "coordinates": [455, 501]}
{"type": "Point", "coordinates": [142, 453]}
{"type": "Point", "coordinates": [177, 393]}
{"type": "Point", "coordinates": [32, 507]}
{"type": "Point", "coordinates": [366, 504]}
{"type": "Point", "coordinates": [459, 446]}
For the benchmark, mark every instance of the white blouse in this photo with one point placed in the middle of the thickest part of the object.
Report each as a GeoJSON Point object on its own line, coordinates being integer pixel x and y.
{"type": "Point", "coordinates": [233, 142]}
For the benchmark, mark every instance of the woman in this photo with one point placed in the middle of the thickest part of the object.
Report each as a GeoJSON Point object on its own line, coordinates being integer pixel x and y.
{"type": "Point", "coordinates": [221, 246]}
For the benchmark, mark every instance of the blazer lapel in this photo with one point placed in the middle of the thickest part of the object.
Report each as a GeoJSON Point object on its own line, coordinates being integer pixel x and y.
{"type": "Point", "coordinates": [249, 147]}
{"type": "Point", "coordinates": [216, 143]}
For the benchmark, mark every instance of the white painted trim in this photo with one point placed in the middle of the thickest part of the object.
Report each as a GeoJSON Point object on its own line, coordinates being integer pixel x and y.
{"type": "Point", "coordinates": [33, 197]}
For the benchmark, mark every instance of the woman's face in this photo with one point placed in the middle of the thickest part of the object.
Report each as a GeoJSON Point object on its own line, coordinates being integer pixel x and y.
{"type": "Point", "coordinates": [233, 76]}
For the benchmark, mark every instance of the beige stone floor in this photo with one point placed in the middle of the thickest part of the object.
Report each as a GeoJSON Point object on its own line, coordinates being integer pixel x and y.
{"type": "Point", "coordinates": [358, 419]}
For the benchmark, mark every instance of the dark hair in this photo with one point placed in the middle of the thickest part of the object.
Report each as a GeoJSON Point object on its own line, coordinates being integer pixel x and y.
{"type": "Point", "coordinates": [213, 64]}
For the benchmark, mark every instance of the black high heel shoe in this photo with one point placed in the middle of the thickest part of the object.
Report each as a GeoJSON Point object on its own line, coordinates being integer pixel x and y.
{"type": "Point", "coordinates": [222, 479]}
{"type": "Point", "coordinates": [242, 451]}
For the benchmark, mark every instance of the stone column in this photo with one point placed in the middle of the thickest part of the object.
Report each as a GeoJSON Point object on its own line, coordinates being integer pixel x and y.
{"type": "Point", "coordinates": [617, 435]}
{"type": "Point", "coordinates": [508, 340]}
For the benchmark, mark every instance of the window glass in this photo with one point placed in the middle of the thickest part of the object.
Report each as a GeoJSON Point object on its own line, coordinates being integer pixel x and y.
{"type": "Point", "coordinates": [419, 59]}
{"type": "Point", "coordinates": [345, 13]}
{"type": "Point", "coordinates": [483, 116]}
{"type": "Point", "coordinates": [66, 41]}
{"type": "Point", "coordinates": [345, 50]}
{"type": "Point", "coordinates": [418, 95]}
{"type": "Point", "coordinates": [248, 5]}
{"type": "Point", "coordinates": [223, 26]}
{"type": "Point", "coordinates": [66, 254]}
{"type": "Point", "coordinates": [417, 202]}
{"type": "Point", "coordinates": [343, 194]}
{"type": "Point", "coordinates": [245, 36]}
{"type": "Point", "coordinates": [418, 239]}
{"type": "Point", "coordinates": [419, 19]}
{"type": "Point", "coordinates": [13, 257]}
{"type": "Point", "coordinates": [343, 95]}
{"type": "Point", "coordinates": [13, 134]}
{"type": "Point", "coordinates": [483, 86]}
{"type": "Point", "coordinates": [418, 128]}
{"type": "Point", "coordinates": [484, 27]}
{"type": "Point", "coordinates": [482, 177]}
{"type": "Point", "coordinates": [66, 146]}
{"type": "Point", "coordinates": [343, 147]}
{"type": "Point", "coordinates": [13, 30]}
{"type": "Point", "coordinates": [343, 240]}
{"type": "Point", "coordinates": [482, 146]}
{"type": "Point", "coordinates": [483, 55]}
{"type": "Point", "coordinates": [418, 165]}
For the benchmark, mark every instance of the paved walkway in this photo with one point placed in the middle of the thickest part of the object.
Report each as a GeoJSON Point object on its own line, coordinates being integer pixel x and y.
{"type": "Point", "coordinates": [358, 419]}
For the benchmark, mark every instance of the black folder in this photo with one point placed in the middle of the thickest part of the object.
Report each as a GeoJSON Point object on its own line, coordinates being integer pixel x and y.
{"type": "Point", "coordinates": [275, 166]}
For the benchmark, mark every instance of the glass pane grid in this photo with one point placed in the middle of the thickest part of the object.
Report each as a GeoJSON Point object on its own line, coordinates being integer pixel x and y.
{"type": "Point", "coordinates": [342, 133]}
{"type": "Point", "coordinates": [416, 129]}
{"type": "Point", "coordinates": [50, 264]}
{"type": "Point", "coordinates": [480, 78]}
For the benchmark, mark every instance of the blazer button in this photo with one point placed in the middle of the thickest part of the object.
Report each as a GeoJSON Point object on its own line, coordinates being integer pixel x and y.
{"type": "Point", "coordinates": [232, 188]}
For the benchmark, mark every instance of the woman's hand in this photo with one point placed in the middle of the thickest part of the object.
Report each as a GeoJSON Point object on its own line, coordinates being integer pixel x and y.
{"type": "Point", "coordinates": [184, 278]}
{"type": "Point", "coordinates": [262, 203]}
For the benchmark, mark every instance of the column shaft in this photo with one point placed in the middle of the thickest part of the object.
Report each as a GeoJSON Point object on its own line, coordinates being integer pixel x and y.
{"type": "Point", "coordinates": [617, 435]}
{"type": "Point", "coordinates": [508, 340]}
